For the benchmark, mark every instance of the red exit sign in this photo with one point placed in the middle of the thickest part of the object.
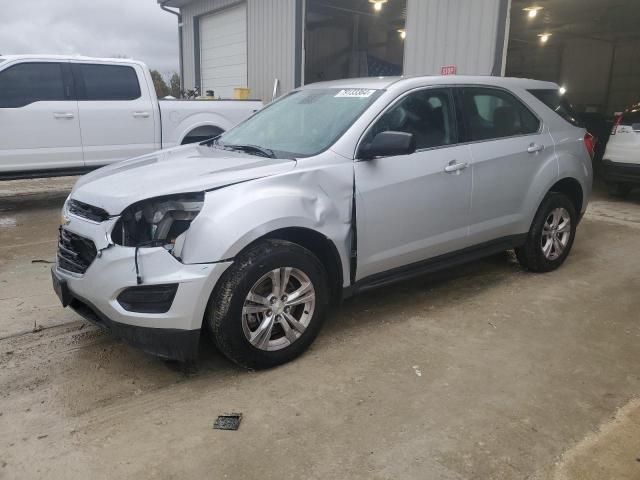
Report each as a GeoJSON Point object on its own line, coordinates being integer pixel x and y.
{"type": "Point", "coordinates": [448, 70]}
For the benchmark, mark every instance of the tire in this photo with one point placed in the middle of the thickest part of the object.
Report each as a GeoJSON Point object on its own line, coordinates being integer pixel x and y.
{"type": "Point", "coordinates": [620, 190]}
{"type": "Point", "coordinates": [232, 327]}
{"type": "Point", "coordinates": [532, 255]}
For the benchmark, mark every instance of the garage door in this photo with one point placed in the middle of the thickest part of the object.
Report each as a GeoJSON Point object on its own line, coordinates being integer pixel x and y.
{"type": "Point", "coordinates": [223, 51]}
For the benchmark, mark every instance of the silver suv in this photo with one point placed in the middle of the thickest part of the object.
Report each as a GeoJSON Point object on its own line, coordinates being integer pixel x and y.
{"type": "Point", "coordinates": [334, 189]}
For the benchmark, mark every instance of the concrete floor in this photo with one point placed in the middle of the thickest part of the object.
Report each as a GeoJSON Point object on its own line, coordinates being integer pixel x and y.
{"type": "Point", "coordinates": [483, 371]}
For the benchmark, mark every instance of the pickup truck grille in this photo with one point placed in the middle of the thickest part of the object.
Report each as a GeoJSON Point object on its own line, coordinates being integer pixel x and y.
{"type": "Point", "coordinates": [75, 253]}
{"type": "Point", "coordinates": [87, 211]}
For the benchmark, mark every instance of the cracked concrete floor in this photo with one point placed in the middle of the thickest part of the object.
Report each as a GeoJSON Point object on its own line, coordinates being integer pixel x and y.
{"type": "Point", "coordinates": [521, 376]}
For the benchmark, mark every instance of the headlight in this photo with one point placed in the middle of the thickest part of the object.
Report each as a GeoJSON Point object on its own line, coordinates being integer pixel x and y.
{"type": "Point", "coordinates": [157, 222]}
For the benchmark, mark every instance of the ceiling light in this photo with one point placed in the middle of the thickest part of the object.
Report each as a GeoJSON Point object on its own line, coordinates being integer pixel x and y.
{"type": "Point", "coordinates": [562, 90]}
{"type": "Point", "coordinates": [403, 33]}
{"type": "Point", "coordinates": [544, 37]}
{"type": "Point", "coordinates": [532, 12]}
{"type": "Point", "coordinates": [377, 4]}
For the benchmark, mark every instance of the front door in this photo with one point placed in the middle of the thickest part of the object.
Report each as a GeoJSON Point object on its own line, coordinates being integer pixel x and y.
{"type": "Point", "coordinates": [413, 207]}
{"type": "Point", "coordinates": [39, 127]}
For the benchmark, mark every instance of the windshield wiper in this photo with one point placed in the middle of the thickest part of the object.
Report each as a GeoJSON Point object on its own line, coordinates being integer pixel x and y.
{"type": "Point", "coordinates": [250, 149]}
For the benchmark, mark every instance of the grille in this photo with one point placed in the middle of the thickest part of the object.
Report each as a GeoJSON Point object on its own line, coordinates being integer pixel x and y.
{"type": "Point", "coordinates": [87, 211]}
{"type": "Point", "coordinates": [75, 253]}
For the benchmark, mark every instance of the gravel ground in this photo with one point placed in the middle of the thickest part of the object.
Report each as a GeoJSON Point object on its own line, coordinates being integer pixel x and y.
{"type": "Point", "coordinates": [483, 371]}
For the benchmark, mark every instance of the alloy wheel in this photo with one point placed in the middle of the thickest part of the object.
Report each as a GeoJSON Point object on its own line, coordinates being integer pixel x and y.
{"type": "Point", "coordinates": [278, 308]}
{"type": "Point", "coordinates": [556, 233]}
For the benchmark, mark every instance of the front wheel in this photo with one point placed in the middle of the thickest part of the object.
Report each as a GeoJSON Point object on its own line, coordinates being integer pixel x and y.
{"type": "Point", "coordinates": [551, 235]}
{"type": "Point", "coordinates": [269, 305]}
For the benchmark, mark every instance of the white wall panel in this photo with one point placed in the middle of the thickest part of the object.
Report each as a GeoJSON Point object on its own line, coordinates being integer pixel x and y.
{"type": "Point", "coordinates": [464, 33]}
{"type": "Point", "coordinates": [272, 46]}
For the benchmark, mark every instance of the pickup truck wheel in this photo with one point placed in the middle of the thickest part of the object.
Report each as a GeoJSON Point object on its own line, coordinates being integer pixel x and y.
{"type": "Point", "coordinates": [269, 306]}
{"type": "Point", "coordinates": [551, 235]}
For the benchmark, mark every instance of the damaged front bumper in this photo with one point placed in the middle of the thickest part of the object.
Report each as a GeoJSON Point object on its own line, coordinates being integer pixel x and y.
{"type": "Point", "coordinates": [94, 294]}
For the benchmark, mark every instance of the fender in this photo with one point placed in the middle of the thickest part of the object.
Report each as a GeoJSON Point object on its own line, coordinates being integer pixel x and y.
{"type": "Point", "coordinates": [235, 216]}
{"type": "Point", "coordinates": [576, 164]}
{"type": "Point", "coordinates": [569, 166]}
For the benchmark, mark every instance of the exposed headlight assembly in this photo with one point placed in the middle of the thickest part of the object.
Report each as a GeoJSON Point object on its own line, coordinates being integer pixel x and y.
{"type": "Point", "coordinates": [157, 222]}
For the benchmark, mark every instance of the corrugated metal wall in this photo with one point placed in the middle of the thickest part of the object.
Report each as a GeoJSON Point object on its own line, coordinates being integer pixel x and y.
{"type": "Point", "coordinates": [271, 47]}
{"type": "Point", "coordinates": [451, 32]}
{"type": "Point", "coordinates": [271, 42]}
{"type": "Point", "coordinates": [464, 33]}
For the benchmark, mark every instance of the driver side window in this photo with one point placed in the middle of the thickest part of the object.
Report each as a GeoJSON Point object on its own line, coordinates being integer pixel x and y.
{"type": "Point", "coordinates": [426, 114]}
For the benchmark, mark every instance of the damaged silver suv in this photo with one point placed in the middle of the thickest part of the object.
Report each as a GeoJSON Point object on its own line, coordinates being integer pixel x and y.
{"type": "Point", "coordinates": [334, 189]}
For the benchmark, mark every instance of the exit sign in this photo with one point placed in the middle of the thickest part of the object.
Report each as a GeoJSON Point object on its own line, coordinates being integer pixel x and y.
{"type": "Point", "coordinates": [448, 70]}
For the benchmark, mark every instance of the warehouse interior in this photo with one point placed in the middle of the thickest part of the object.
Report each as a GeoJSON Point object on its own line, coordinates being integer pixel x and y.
{"type": "Point", "coordinates": [589, 47]}
{"type": "Point", "coordinates": [353, 38]}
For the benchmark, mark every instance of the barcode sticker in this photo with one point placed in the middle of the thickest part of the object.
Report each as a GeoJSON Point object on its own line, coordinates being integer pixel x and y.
{"type": "Point", "coordinates": [354, 93]}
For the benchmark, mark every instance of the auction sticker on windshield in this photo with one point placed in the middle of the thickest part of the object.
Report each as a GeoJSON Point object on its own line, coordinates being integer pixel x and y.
{"type": "Point", "coordinates": [354, 93]}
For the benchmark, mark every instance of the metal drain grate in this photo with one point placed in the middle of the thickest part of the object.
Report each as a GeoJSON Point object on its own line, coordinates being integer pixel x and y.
{"type": "Point", "coordinates": [229, 421]}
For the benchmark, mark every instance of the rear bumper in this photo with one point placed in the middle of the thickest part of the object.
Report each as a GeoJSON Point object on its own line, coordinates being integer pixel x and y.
{"type": "Point", "coordinates": [616, 172]}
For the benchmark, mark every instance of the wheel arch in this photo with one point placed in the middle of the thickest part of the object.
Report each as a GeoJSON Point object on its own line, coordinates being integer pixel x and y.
{"type": "Point", "coordinates": [570, 187]}
{"type": "Point", "coordinates": [318, 244]}
{"type": "Point", "coordinates": [201, 130]}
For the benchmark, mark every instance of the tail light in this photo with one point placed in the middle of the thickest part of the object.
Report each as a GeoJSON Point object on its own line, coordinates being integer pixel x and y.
{"type": "Point", "coordinates": [615, 124]}
{"type": "Point", "coordinates": [590, 143]}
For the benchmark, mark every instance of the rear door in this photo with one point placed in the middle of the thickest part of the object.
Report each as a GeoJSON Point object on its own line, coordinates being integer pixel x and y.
{"type": "Point", "coordinates": [116, 112]}
{"type": "Point", "coordinates": [39, 128]}
{"type": "Point", "coordinates": [509, 145]}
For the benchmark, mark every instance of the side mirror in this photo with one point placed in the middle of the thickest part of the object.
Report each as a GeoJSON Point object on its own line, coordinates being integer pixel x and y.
{"type": "Point", "coordinates": [389, 144]}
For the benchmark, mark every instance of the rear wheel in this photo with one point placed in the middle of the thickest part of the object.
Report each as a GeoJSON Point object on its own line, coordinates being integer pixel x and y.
{"type": "Point", "coordinates": [550, 238]}
{"type": "Point", "coordinates": [619, 189]}
{"type": "Point", "coordinates": [270, 304]}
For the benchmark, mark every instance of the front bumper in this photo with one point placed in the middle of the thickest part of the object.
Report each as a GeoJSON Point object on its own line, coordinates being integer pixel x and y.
{"type": "Point", "coordinates": [169, 343]}
{"type": "Point", "coordinates": [617, 172]}
{"type": "Point", "coordinates": [173, 334]}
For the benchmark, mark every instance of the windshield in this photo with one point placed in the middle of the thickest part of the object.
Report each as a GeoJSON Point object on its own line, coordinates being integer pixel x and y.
{"type": "Point", "coordinates": [302, 124]}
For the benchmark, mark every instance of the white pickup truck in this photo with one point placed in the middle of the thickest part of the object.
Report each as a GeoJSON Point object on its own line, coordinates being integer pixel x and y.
{"type": "Point", "coordinates": [68, 114]}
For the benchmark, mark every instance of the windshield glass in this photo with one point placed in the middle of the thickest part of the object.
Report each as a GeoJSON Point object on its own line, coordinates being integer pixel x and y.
{"type": "Point", "coordinates": [303, 123]}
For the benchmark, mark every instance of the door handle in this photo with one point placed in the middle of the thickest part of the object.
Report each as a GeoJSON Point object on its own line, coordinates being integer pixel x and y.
{"type": "Point", "coordinates": [533, 148]}
{"type": "Point", "coordinates": [454, 167]}
{"type": "Point", "coordinates": [141, 114]}
{"type": "Point", "coordinates": [63, 115]}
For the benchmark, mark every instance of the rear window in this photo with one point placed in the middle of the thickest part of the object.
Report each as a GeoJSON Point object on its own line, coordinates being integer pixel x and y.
{"type": "Point", "coordinates": [556, 102]}
{"type": "Point", "coordinates": [109, 82]}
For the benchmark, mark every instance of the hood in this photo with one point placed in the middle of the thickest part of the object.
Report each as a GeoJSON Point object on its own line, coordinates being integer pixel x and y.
{"type": "Point", "coordinates": [190, 168]}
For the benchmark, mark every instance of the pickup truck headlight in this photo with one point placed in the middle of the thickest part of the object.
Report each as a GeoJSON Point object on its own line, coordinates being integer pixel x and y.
{"type": "Point", "coordinates": [157, 222]}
